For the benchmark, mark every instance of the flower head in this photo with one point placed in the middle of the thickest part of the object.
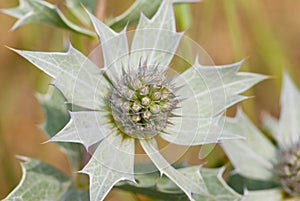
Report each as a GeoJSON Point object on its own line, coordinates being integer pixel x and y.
{"type": "Point", "coordinates": [257, 158]}
{"type": "Point", "coordinates": [132, 97]}
{"type": "Point", "coordinates": [288, 169]}
{"type": "Point", "coordinates": [142, 101]}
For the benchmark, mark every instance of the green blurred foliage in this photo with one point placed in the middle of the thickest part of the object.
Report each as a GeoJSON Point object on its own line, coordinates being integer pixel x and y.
{"type": "Point", "coordinates": [264, 31]}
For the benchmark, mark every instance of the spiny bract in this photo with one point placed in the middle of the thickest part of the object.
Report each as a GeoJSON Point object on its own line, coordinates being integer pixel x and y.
{"type": "Point", "coordinates": [258, 158]}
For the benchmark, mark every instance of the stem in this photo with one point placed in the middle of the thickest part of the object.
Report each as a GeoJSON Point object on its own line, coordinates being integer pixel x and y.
{"type": "Point", "coordinates": [183, 16]}
{"type": "Point", "coordinates": [100, 9]}
{"type": "Point", "coordinates": [184, 19]}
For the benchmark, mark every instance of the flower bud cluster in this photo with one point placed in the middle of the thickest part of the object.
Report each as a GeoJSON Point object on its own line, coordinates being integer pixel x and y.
{"type": "Point", "coordinates": [288, 170]}
{"type": "Point", "coordinates": [142, 102]}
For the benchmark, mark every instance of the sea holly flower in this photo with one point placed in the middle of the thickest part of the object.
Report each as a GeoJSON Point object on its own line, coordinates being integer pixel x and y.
{"type": "Point", "coordinates": [133, 98]}
{"type": "Point", "coordinates": [258, 158]}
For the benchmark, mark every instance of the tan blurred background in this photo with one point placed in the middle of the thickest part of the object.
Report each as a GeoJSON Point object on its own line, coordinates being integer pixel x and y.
{"type": "Point", "coordinates": [264, 31]}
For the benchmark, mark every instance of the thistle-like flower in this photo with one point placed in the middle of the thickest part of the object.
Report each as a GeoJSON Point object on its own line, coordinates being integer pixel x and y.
{"type": "Point", "coordinates": [288, 169]}
{"type": "Point", "coordinates": [133, 98]}
{"type": "Point", "coordinates": [257, 158]}
{"type": "Point", "coordinates": [142, 102]}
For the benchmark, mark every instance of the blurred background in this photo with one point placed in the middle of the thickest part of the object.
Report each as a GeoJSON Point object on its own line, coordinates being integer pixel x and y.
{"type": "Point", "coordinates": [266, 32]}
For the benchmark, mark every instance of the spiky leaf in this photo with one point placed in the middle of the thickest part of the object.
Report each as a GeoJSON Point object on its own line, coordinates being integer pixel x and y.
{"type": "Point", "coordinates": [114, 48]}
{"type": "Point", "coordinates": [40, 11]}
{"type": "Point", "coordinates": [156, 39]}
{"type": "Point", "coordinates": [87, 128]}
{"type": "Point", "coordinates": [75, 6]}
{"type": "Point", "coordinates": [183, 182]}
{"type": "Point", "coordinates": [79, 79]}
{"type": "Point", "coordinates": [40, 181]}
{"type": "Point", "coordinates": [163, 188]}
{"type": "Point", "coordinates": [289, 126]}
{"type": "Point", "coordinates": [216, 186]}
{"type": "Point", "coordinates": [131, 16]}
{"type": "Point", "coordinates": [253, 157]}
{"type": "Point", "coordinates": [265, 195]}
{"type": "Point", "coordinates": [271, 124]}
{"type": "Point", "coordinates": [112, 162]}
{"type": "Point", "coordinates": [56, 117]}
{"type": "Point", "coordinates": [147, 184]}
{"type": "Point", "coordinates": [207, 91]}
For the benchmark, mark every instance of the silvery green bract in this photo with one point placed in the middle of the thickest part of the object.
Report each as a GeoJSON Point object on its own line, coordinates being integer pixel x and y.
{"type": "Point", "coordinates": [132, 14]}
{"type": "Point", "coordinates": [258, 158]}
{"type": "Point", "coordinates": [39, 11]}
{"type": "Point", "coordinates": [43, 12]}
{"type": "Point", "coordinates": [163, 188]}
{"type": "Point", "coordinates": [204, 93]}
{"type": "Point", "coordinates": [41, 181]}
